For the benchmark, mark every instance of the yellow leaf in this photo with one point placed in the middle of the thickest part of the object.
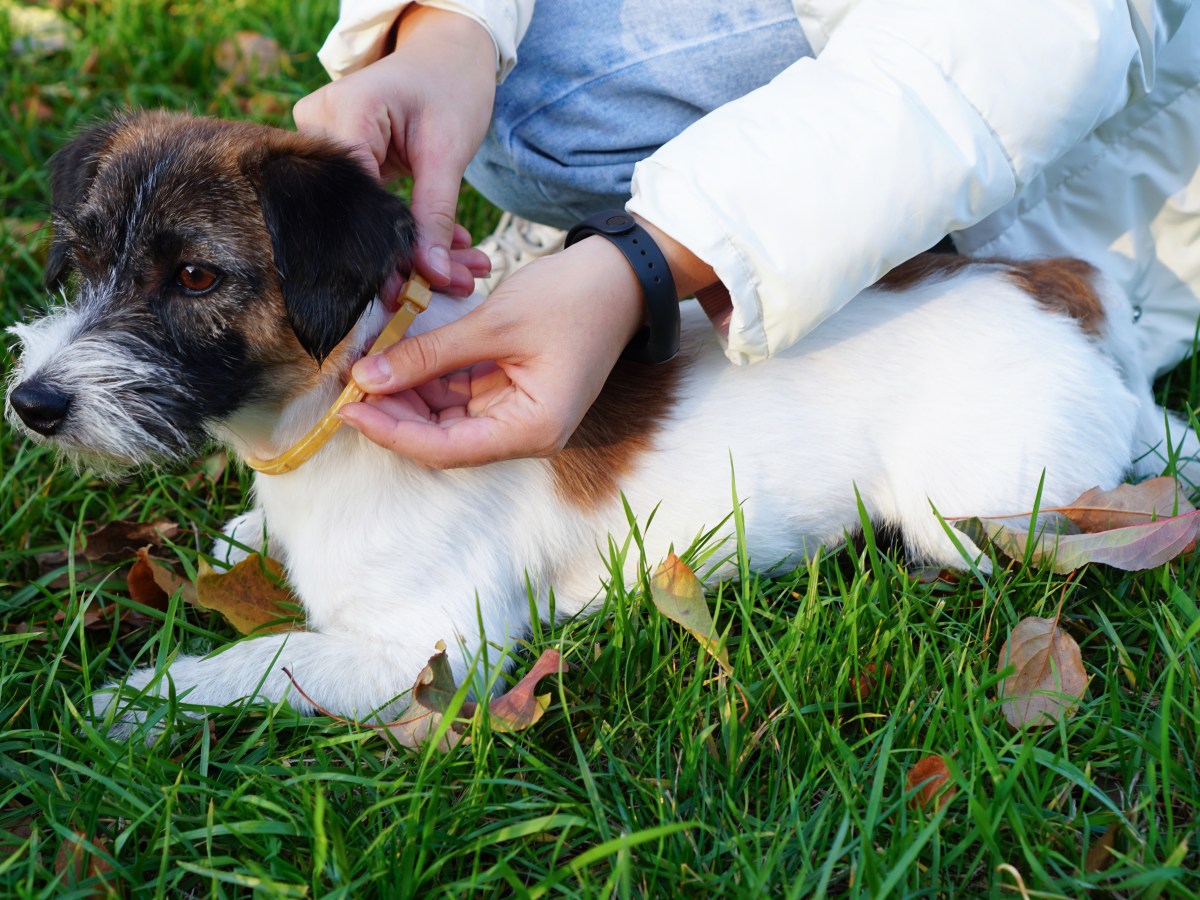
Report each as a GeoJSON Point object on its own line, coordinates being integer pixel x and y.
{"type": "Point", "coordinates": [248, 595]}
{"type": "Point", "coordinates": [679, 596]}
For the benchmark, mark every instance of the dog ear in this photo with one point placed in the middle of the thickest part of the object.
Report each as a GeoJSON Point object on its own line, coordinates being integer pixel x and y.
{"type": "Point", "coordinates": [72, 171]}
{"type": "Point", "coordinates": [337, 235]}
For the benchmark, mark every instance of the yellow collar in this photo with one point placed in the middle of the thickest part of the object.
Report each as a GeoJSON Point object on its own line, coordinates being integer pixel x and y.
{"type": "Point", "coordinates": [414, 298]}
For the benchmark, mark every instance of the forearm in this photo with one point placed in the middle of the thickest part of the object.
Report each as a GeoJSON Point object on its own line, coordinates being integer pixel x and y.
{"type": "Point", "coordinates": [916, 120]}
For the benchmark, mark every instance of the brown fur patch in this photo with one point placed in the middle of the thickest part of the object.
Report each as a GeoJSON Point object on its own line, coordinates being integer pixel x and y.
{"type": "Point", "coordinates": [620, 426]}
{"type": "Point", "coordinates": [1062, 285]}
{"type": "Point", "coordinates": [922, 268]}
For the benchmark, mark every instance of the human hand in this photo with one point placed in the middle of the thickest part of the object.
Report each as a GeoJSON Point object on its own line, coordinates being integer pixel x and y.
{"type": "Point", "coordinates": [513, 377]}
{"type": "Point", "coordinates": [422, 110]}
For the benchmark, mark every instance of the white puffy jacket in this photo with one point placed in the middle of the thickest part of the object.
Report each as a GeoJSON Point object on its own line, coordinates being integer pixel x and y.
{"type": "Point", "coordinates": [1026, 127]}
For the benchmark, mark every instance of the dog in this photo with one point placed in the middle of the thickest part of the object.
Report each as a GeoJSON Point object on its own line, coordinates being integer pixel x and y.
{"type": "Point", "coordinates": [219, 279]}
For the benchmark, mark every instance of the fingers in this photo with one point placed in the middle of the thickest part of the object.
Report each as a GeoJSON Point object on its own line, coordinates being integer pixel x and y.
{"type": "Point", "coordinates": [418, 359]}
{"type": "Point", "coordinates": [457, 440]}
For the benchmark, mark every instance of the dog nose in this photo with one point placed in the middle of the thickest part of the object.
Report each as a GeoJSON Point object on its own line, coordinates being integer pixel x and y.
{"type": "Point", "coordinates": [40, 406]}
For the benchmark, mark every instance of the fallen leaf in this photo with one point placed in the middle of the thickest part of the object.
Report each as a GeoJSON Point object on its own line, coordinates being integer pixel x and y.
{"type": "Point", "coordinates": [1132, 527]}
{"type": "Point", "coordinates": [249, 595]}
{"type": "Point", "coordinates": [266, 105]}
{"type": "Point", "coordinates": [866, 682]}
{"type": "Point", "coordinates": [1100, 854]}
{"type": "Point", "coordinates": [1059, 543]}
{"type": "Point", "coordinates": [249, 56]}
{"type": "Point", "coordinates": [521, 707]}
{"type": "Point", "coordinates": [77, 862]}
{"type": "Point", "coordinates": [152, 582]}
{"type": "Point", "coordinates": [208, 468]}
{"type": "Point", "coordinates": [435, 688]}
{"type": "Point", "coordinates": [1049, 679]}
{"type": "Point", "coordinates": [431, 696]}
{"type": "Point", "coordinates": [679, 596]}
{"type": "Point", "coordinates": [1128, 504]}
{"type": "Point", "coordinates": [930, 779]}
{"type": "Point", "coordinates": [120, 540]}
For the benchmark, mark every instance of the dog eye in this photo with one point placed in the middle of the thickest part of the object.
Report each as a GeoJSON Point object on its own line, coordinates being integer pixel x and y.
{"type": "Point", "coordinates": [196, 279]}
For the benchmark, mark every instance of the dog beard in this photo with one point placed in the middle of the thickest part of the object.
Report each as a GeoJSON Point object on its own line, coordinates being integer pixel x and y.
{"type": "Point", "coordinates": [127, 409]}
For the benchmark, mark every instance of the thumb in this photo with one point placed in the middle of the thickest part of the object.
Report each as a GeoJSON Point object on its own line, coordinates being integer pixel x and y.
{"type": "Point", "coordinates": [423, 357]}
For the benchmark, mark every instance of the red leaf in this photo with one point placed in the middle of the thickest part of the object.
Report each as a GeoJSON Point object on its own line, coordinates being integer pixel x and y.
{"type": "Point", "coordinates": [521, 707]}
{"type": "Point", "coordinates": [930, 779]}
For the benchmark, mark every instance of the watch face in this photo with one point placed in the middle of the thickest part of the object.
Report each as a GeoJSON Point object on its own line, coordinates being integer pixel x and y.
{"type": "Point", "coordinates": [618, 222]}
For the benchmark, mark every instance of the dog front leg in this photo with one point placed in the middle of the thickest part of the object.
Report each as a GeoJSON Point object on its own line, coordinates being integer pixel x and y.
{"type": "Point", "coordinates": [355, 675]}
{"type": "Point", "coordinates": [241, 536]}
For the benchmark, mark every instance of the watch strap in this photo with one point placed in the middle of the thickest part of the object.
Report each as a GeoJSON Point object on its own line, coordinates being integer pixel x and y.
{"type": "Point", "coordinates": [658, 340]}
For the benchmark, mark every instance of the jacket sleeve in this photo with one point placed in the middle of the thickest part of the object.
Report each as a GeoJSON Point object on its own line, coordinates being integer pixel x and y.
{"type": "Point", "coordinates": [363, 26]}
{"type": "Point", "coordinates": [917, 118]}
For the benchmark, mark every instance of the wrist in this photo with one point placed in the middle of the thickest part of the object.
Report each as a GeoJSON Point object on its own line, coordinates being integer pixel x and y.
{"type": "Point", "coordinates": [658, 338]}
{"type": "Point", "coordinates": [690, 272]}
{"type": "Point", "coordinates": [596, 262]}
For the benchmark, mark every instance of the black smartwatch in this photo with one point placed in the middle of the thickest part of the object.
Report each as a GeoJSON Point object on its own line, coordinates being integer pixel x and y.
{"type": "Point", "coordinates": [657, 341]}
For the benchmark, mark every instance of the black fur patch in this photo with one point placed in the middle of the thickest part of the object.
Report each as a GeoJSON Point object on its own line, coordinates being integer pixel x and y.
{"type": "Point", "coordinates": [337, 236]}
{"type": "Point", "coordinates": [72, 170]}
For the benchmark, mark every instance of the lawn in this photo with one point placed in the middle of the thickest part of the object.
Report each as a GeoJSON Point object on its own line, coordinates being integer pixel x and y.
{"type": "Point", "coordinates": [649, 775]}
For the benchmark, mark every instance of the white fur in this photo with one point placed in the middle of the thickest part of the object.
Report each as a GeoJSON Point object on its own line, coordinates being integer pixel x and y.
{"type": "Point", "coordinates": [63, 347]}
{"type": "Point", "coordinates": [957, 395]}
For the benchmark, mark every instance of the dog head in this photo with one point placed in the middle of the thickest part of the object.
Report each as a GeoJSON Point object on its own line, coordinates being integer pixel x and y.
{"type": "Point", "coordinates": [208, 269]}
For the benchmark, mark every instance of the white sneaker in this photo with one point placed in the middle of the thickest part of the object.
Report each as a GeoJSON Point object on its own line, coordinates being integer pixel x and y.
{"type": "Point", "coordinates": [514, 243]}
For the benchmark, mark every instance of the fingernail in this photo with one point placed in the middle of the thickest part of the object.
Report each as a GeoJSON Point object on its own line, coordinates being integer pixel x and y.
{"type": "Point", "coordinates": [439, 261]}
{"type": "Point", "coordinates": [372, 371]}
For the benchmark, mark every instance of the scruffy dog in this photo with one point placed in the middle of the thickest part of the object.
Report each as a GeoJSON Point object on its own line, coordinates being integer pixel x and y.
{"type": "Point", "coordinates": [222, 279]}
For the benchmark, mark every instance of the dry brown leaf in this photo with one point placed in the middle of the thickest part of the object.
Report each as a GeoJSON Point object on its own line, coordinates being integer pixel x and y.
{"type": "Point", "coordinates": [152, 582]}
{"type": "Point", "coordinates": [1049, 679]}
{"type": "Point", "coordinates": [1059, 544]}
{"type": "Point", "coordinates": [1132, 527]}
{"type": "Point", "coordinates": [249, 595]}
{"type": "Point", "coordinates": [1127, 504]}
{"type": "Point", "coordinates": [266, 105]}
{"type": "Point", "coordinates": [679, 595]}
{"type": "Point", "coordinates": [118, 540]}
{"type": "Point", "coordinates": [1100, 854]}
{"type": "Point", "coordinates": [78, 862]}
{"type": "Point", "coordinates": [143, 588]}
{"type": "Point", "coordinates": [431, 696]}
{"type": "Point", "coordinates": [435, 687]}
{"type": "Point", "coordinates": [249, 56]}
{"type": "Point", "coordinates": [208, 468]}
{"type": "Point", "coordinates": [864, 685]}
{"type": "Point", "coordinates": [930, 779]}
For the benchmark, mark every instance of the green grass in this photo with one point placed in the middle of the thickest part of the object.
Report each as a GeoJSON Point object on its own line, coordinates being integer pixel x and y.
{"type": "Point", "coordinates": [649, 776]}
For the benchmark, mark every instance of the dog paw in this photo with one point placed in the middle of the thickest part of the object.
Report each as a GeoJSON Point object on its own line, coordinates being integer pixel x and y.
{"type": "Point", "coordinates": [121, 708]}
